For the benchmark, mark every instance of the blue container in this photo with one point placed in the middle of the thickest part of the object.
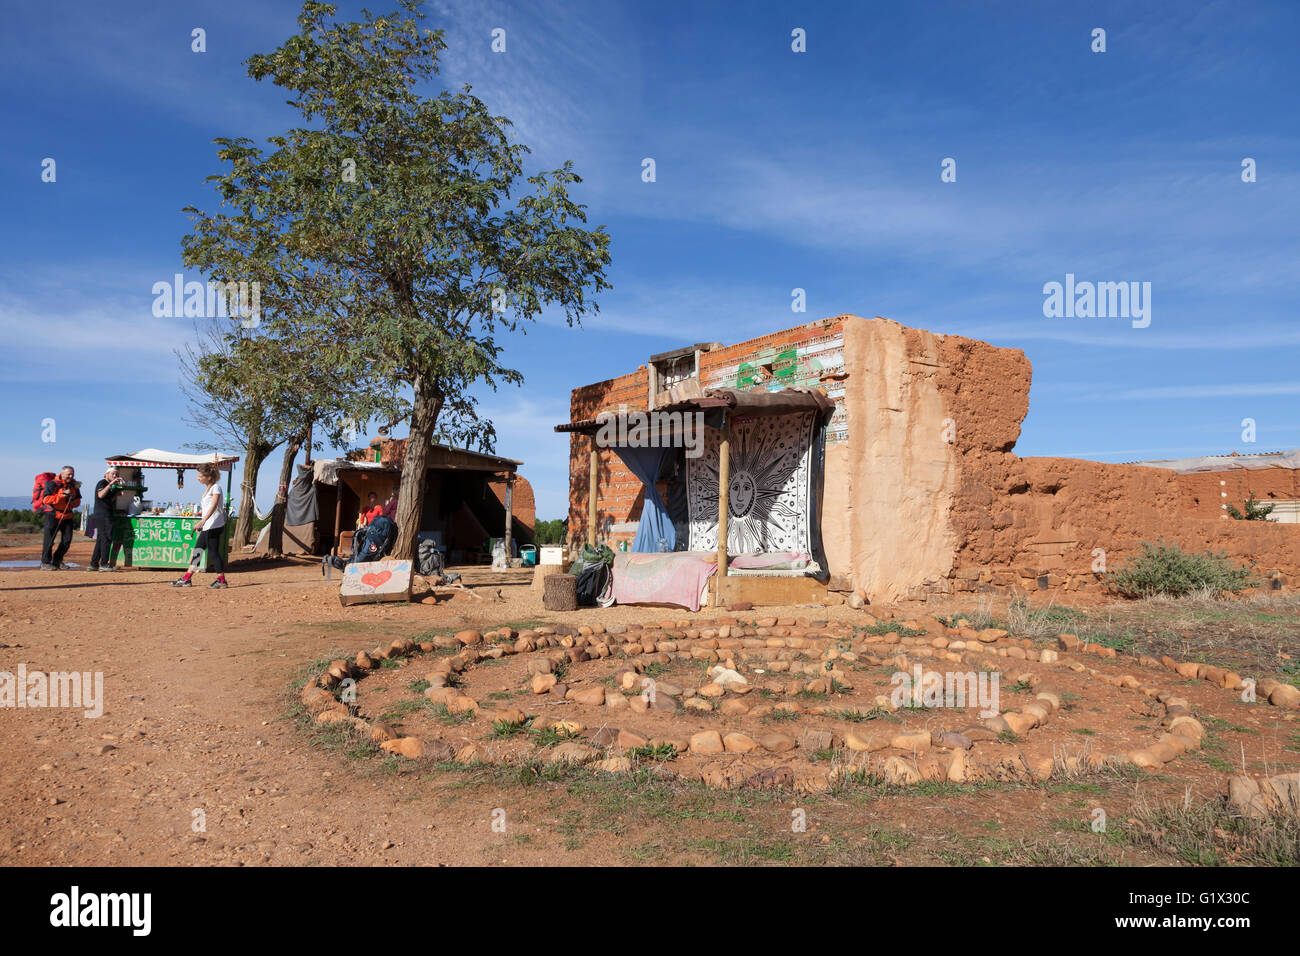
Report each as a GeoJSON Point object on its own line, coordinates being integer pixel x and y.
{"type": "Point", "coordinates": [529, 554]}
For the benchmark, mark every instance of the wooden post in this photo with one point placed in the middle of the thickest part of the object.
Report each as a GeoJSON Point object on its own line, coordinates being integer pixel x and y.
{"type": "Point", "coordinates": [510, 493]}
{"type": "Point", "coordinates": [591, 496]}
{"type": "Point", "coordinates": [338, 512]}
{"type": "Point", "coordinates": [724, 503]}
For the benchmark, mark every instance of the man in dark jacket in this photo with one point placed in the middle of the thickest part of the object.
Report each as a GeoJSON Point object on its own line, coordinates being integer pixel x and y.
{"type": "Point", "coordinates": [62, 496]}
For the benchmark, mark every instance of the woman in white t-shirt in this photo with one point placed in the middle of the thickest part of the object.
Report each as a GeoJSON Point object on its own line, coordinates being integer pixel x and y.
{"type": "Point", "coordinates": [211, 526]}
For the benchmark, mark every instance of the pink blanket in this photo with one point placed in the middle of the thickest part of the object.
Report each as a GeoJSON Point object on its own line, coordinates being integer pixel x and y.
{"type": "Point", "coordinates": [677, 577]}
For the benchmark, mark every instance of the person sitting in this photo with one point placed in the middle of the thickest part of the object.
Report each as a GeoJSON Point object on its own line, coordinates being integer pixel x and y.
{"type": "Point", "coordinates": [373, 510]}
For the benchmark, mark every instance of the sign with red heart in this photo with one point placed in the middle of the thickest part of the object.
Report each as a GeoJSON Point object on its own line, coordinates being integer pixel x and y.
{"type": "Point", "coordinates": [368, 582]}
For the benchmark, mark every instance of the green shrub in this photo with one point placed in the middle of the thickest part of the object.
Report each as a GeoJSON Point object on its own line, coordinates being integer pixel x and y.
{"type": "Point", "coordinates": [1168, 570]}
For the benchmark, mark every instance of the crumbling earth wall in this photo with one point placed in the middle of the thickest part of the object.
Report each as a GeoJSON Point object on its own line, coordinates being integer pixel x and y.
{"type": "Point", "coordinates": [923, 493]}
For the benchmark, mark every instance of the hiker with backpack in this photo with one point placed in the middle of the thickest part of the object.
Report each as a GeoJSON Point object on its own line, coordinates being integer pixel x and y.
{"type": "Point", "coordinates": [59, 499]}
{"type": "Point", "coordinates": [211, 527]}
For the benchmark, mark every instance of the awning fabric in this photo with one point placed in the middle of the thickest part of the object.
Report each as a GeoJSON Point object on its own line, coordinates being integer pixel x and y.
{"type": "Point", "coordinates": [156, 458]}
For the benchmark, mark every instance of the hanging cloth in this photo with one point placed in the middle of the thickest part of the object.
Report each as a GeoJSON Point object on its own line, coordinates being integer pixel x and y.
{"type": "Point", "coordinates": [655, 524]}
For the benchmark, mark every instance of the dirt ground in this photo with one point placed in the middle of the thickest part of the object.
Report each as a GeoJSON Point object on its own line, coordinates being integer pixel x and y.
{"type": "Point", "coordinates": [201, 724]}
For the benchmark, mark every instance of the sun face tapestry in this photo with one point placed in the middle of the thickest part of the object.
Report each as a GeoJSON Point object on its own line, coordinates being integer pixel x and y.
{"type": "Point", "coordinates": [771, 488]}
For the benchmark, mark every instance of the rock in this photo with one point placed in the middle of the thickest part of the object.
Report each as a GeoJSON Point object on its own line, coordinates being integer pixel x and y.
{"type": "Point", "coordinates": [707, 742]}
{"type": "Point", "coordinates": [698, 704]}
{"type": "Point", "coordinates": [1068, 642]}
{"type": "Point", "coordinates": [1018, 723]}
{"type": "Point", "coordinates": [815, 740]}
{"type": "Point", "coordinates": [859, 739]}
{"type": "Point", "coordinates": [712, 689]}
{"type": "Point", "coordinates": [380, 732]}
{"type": "Point", "coordinates": [630, 740]}
{"type": "Point", "coordinates": [540, 665]}
{"type": "Point", "coordinates": [957, 772]}
{"type": "Point", "coordinates": [1038, 712]}
{"type": "Point", "coordinates": [997, 724]}
{"type": "Point", "coordinates": [469, 637]}
{"type": "Point", "coordinates": [441, 694]}
{"type": "Point", "coordinates": [613, 765]}
{"type": "Point", "coordinates": [1187, 726]}
{"type": "Point", "coordinates": [589, 695]}
{"type": "Point", "coordinates": [570, 727]}
{"type": "Point", "coordinates": [542, 683]}
{"type": "Point", "coordinates": [364, 661]}
{"type": "Point", "coordinates": [665, 703]}
{"type": "Point", "coordinates": [772, 777]}
{"type": "Point", "coordinates": [462, 705]}
{"type": "Point", "coordinates": [918, 741]}
{"type": "Point", "coordinates": [1145, 759]}
{"type": "Point", "coordinates": [776, 743]}
{"type": "Point", "coordinates": [571, 753]}
{"type": "Point", "coordinates": [900, 772]}
{"type": "Point", "coordinates": [1284, 695]}
{"type": "Point", "coordinates": [410, 747]}
{"type": "Point", "coordinates": [726, 677]}
{"type": "Point", "coordinates": [951, 740]}
{"type": "Point", "coordinates": [733, 708]}
{"type": "Point", "coordinates": [470, 753]}
{"type": "Point", "coordinates": [990, 634]}
{"type": "Point", "coordinates": [615, 701]}
{"type": "Point", "coordinates": [738, 743]}
{"type": "Point", "coordinates": [1048, 656]}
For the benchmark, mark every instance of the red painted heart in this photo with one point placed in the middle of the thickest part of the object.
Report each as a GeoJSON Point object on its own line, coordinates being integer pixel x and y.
{"type": "Point", "coordinates": [374, 580]}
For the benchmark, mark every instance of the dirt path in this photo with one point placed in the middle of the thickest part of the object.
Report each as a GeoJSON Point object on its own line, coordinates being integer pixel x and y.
{"type": "Point", "coordinates": [194, 722]}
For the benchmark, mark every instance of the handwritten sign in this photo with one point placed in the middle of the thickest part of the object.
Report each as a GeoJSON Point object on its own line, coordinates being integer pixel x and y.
{"type": "Point", "coordinates": [374, 581]}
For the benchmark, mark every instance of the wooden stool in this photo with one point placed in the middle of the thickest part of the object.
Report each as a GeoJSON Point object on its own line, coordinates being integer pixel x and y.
{"type": "Point", "coordinates": [560, 592]}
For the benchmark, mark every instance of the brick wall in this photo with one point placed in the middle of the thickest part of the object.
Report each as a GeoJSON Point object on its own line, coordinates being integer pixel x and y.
{"type": "Point", "coordinates": [810, 354]}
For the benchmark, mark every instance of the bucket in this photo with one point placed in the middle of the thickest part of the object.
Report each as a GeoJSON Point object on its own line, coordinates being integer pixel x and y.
{"type": "Point", "coordinates": [529, 554]}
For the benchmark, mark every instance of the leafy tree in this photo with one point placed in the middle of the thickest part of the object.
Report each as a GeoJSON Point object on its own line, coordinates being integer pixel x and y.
{"type": "Point", "coordinates": [395, 220]}
{"type": "Point", "coordinates": [1254, 510]}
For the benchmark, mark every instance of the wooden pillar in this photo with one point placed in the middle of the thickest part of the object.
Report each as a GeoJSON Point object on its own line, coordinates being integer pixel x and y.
{"type": "Point", "coordinates": [591, 496]}
{"type": "Point", "coordinates": [510, 501]}
{"type": "Point", "coordinates": [338, 512]}
{"type": "Point", "coordinates": [724, 504]}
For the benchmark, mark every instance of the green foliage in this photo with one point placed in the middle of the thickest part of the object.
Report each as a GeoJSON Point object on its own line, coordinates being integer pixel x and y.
{"type": "Point", "coordinates": [549, 532]}
{"type": "Point", "coordinates": [20, 520]}
{"type": "Point", "coordinates": [1166, 569]}
{"type": "Point", "coordinates": [397, 234]}
{"type": "Point", "coordinates": [1254, 510]}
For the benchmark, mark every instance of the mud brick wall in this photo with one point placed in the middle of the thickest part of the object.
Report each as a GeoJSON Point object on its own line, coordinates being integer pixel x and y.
{"type": "Point", "coordinates": [924, 495]}
{"type": "Point", "coordinates": [1204, 493]}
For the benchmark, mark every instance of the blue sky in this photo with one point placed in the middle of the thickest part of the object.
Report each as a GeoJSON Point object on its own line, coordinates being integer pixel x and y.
{"type": "Point", "coordinates": [775, 170]}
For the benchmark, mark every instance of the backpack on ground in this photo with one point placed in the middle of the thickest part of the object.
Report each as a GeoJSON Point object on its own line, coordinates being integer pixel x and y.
{"type": "Point", "coordinates": [38, 492]}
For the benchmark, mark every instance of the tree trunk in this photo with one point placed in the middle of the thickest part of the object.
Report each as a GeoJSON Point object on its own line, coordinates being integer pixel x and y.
{"type": "Point", "coordinates": [275, 546]}
{"type": "Point", "coordinates": [410, 496]}
{"type": "Point", "coordinates": [255, 452]}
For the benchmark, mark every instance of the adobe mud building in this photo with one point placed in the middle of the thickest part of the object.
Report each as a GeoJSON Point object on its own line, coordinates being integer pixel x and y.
{"type": "Point", "coordinates": [921, 491]}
